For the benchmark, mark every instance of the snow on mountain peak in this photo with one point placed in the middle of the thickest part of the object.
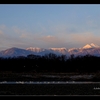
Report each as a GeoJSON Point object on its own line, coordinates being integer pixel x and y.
{"type": "Point", "coordinates": [35, 49]}
{"type": "Point", "coordinates": [92, 45]}
{"type": "Point", "coordinates": [32, 48]}
{"type": "Point", "coordinates": [62, 50]}
{"type": "Point", "coordinates": [71, 49]}
{"type": "Point", "coordinates": [87, 46]}
{"type": "Point", "coordinates": [41, 51]}
{"type": "Point", "coordinates": [58, 48]}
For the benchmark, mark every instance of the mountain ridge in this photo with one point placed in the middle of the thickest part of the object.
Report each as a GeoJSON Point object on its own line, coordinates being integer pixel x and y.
{"type": "Point", "coordinates": [87, 49]}
{"type": "Point", "coordinates": [92, 45]}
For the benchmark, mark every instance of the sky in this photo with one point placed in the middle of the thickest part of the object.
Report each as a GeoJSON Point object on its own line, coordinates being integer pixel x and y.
{"type": "Point", "coordinates": [49, 25]}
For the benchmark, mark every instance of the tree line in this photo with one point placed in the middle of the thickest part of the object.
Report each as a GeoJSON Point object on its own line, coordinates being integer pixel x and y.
{"type": "Point", "coordinates": [50, 63]}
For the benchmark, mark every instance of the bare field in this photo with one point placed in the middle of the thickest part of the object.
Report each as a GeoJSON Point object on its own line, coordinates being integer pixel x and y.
{"type": "Point", "coordinates": [50, 89]}
{"type": "Point", "coordinates": [8, 76]}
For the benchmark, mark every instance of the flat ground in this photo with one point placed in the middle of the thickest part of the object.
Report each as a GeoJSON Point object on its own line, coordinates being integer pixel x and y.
{"type": "Point", "coordinates": [50, 89]}
{"type": "Point", "coordinates": [31, 76]}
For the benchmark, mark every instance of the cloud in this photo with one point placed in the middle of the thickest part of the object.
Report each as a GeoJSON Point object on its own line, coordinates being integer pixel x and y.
{"type": "Point", "coordinates": [70, 40]}
{"type": "Point", "coordinates": [10, 37]}
{"type": "Point", "coordinates": [48, 38]}
{"type": "Point", "coordinates": [2, 27]}
{"type": "Point", "coordinates": [23, 35]}
{"type": "Point", "coordinates": [61, 39]}
{"type": "Point", "coordinates": [83, 38]}
{"type": "Point", "coordinates": [52, 41]}
{"type": "Point", "coordinates": [16, 30]}
{"type": "Point", "coordinates": [1, 32]}
{"type": "Point", "coordinates": [23, 38]}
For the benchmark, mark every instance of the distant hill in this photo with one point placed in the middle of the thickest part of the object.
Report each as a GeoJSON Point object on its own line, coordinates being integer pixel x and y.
{"type": "Point", "coordinates": [91, 49]}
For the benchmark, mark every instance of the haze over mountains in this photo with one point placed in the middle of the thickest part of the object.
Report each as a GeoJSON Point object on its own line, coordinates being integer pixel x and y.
{"type": "Point", "coordinates": [87, 49]}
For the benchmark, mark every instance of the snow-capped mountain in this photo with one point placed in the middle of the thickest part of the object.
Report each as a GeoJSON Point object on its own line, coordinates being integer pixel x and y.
{"type": "Point", "coordinates": [87, 49]}
{"type": "Point", "coordinates": [91, 49]}
{"type": "Point", "coordinates": [59, 50]}
{"type": "Point", "coordinates": [35, 49]}
{"type": "Point", "coordinates": [90, 46]}
{"type": "Point", "coordinates": [15, 52]}
{"type": "Point", "coordinates": [73, 51]}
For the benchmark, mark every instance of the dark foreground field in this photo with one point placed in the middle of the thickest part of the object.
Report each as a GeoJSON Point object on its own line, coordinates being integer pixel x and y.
{"type": "Point", "coordinates": [50, 89]}
{"type": "Point", "coordinates": [92, 88]}
{"type": "Point", "coordinates": [8, 76]}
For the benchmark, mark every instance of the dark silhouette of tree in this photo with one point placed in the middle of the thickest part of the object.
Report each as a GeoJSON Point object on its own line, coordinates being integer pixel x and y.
{"type": "Point", "coordinates": [50, 63]}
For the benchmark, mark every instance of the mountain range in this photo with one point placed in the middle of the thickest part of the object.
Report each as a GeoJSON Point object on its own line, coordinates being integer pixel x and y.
{"type": "Point", "coordinates": [91, 49]}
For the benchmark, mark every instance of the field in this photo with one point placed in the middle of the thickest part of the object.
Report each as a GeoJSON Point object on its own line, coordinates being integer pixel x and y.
{"type": "Point", "coordinates": [50, 89]}
{"type": "Point", "coordinates": [92, 88]}
{"type": "Point", "coordinates": [30, 76]}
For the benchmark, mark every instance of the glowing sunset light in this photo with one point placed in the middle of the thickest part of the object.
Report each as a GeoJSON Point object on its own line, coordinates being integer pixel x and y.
{"type": "Point", "coordinates": [49, 25]}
